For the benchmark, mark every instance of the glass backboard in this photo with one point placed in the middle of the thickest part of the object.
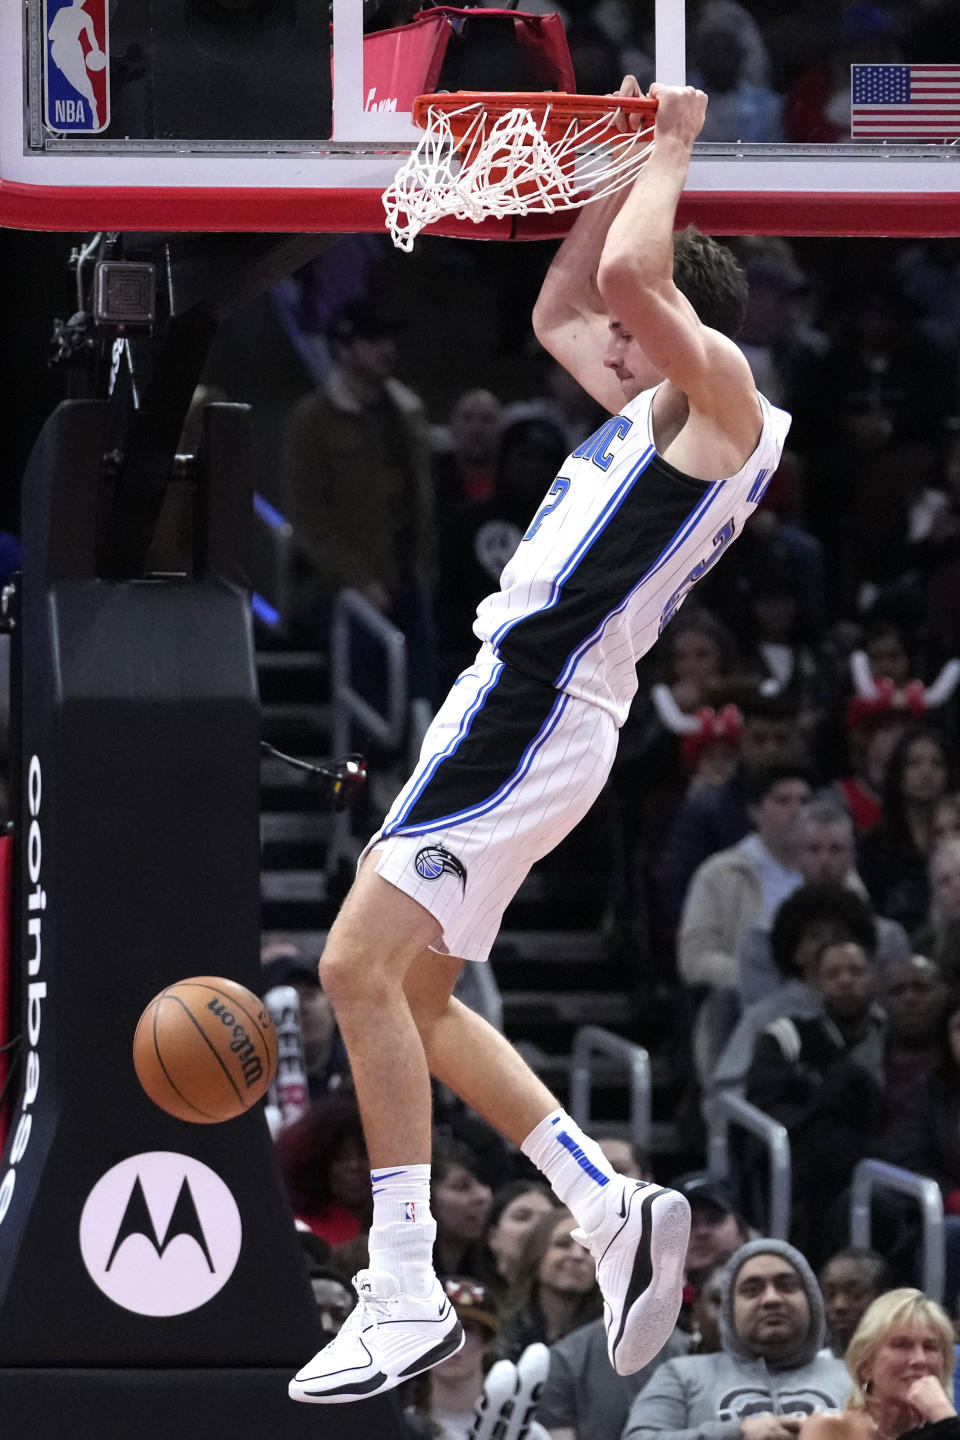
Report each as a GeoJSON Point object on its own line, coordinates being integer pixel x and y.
{"type": "Point", "coordinates": [293, 115]}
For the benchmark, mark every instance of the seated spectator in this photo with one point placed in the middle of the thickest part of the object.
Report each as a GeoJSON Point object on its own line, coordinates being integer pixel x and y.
{"type": "Point", "coordinates": [940, 936]}
{"type": "Point", "coordinates": [873, 719]}
{"type": "Point", "coordinates": [737, 890]}
{"type": "Point", "coordinates": [464, 465]}
{"type": "Point", "coordinates": [822, 1078]}
{"type": "Point", "coordinates": [714, 817]}
{"type": "Point", "coordinates": [894, 855]}
{"type": "Point", "coordinates": [776, 638]}
{"type": "Point", "coordinates": [901, 1358]}
{"type": "Point", "coordinates": [888, 656]}
{"type": "Point", "coordinates": [626, 1156]}
{"type": "Point", "coordinates": [913, 995]}
{"type": "Point", "coordinates": [707, 1285]}
{"type": "Point", "coordinates": [946, 818]}
{"type": "Point", "coordinates": [691, 669]}
{"type": "Point", "coordinates": [715, 1227]}
{"type": "Point", "coordinates": [813, 916]}
{"type": "Point", "coordinates": [460, 1203]}
{"type": "Point", "coordinates": [514, 1211]}
{"type": "Point", "coordinates": [478, 537]}
{"type": "Point", "coordinates": [323, 1159]}
{"type": "Point", "coordinates": [922, 1135]}
{"type": "Point", "coordinates": [324, 1055]}
{"type": "Point", "coordinates": [443, 1400]}
{"type": "Point", "coordinates": [872, 737]}
{"type": "Point", "coordinates": [826, 853]}
{"type": "Point", "coordinates": [771, 1330]}
{"type": "Point", "coordinates": [850, 1281]}
{"type": "Point", "coordinates": [556, 1287]}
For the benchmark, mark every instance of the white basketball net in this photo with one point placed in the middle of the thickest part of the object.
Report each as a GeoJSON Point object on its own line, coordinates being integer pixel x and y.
{"type": "Point", "coordinates": [512, 170]}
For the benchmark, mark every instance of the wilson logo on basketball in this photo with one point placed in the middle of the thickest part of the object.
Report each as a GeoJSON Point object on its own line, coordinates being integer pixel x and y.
{"type": "Point", "coordinates": [205, 1049]}
{"type": "Point", "coordinates": [241, 1045]}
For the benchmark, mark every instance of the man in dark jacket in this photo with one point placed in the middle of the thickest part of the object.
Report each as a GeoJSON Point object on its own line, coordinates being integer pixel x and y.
{"type": "Point", "coordinates": [823, 1077]}
{"type": "Point", "coordinates": [714, 817]}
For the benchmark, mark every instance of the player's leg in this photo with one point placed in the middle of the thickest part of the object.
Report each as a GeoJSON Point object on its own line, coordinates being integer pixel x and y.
{"type": "Point", "coordinates": [374, 940]}
{"type": "Point", "coordinates": [469, 1055]}
{"type": "Point", "coordinates": [637, 1233]}
{"type": "Point", "coordinates": [403, 1323]}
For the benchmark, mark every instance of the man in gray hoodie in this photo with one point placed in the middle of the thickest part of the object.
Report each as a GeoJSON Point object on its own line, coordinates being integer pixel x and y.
{"type": "Point", "coordinates": [768, 1373]}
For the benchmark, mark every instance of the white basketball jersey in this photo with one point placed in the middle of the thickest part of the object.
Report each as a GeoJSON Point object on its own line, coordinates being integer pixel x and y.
{"type": "Point", "coordinates": [610, 556]}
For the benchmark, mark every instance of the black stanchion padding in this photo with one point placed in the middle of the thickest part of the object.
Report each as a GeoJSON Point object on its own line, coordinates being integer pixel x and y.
{"type": "Point", "coordinates": [181, 1405]}
{"type": "Point", "coordinates": [129, 1241]}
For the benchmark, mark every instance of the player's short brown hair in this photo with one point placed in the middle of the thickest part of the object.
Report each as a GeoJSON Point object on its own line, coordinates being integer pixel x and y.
{"type": "Point", "coordinates": [711, 279]}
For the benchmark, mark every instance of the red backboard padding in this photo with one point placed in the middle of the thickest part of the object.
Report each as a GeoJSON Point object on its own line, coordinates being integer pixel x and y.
{"type": "Point", "coordinates": [317, 211]}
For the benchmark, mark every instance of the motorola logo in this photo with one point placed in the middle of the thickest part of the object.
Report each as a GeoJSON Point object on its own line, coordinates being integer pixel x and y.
{"type": "Point", "coordinates": [160, 1233]}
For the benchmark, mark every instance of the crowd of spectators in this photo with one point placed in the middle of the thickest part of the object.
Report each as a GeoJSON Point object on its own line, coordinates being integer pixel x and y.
{"type": "Point", "coordinates": [783, 822]}
{"type": "Point", "coordinates": [784, 828]}
{"type": "Point", "coordinates": [765, 1343]}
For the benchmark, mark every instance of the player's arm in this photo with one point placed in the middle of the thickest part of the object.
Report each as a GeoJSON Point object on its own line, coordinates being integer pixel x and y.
{"type": "Point", "coordinates": [635, 279]}
{"type": "Point", "coordinates": [570, 318]}
{"type": "Point", "coordinates": [90, 33]}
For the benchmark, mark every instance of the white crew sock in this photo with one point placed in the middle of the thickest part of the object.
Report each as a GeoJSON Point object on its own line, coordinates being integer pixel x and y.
{"type": "Point", "coordinates": [403, 1229]}
{"type": "Point", "coordinates": [574, 1164]}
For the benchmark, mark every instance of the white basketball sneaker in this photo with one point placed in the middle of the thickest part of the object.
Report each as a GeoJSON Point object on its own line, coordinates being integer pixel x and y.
{"type": "Point", "coordinates": [387, 1338]}
{"type": "Point", "coordinates": [640, 1248]}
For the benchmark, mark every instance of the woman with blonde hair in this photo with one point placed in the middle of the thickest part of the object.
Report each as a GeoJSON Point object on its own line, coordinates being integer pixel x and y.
{"type": "Point", "coordinates": [901, 1361]}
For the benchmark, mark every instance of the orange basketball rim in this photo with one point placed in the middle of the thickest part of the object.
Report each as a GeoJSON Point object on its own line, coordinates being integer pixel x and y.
{"type": "Point", "coordinates": [488, 153]}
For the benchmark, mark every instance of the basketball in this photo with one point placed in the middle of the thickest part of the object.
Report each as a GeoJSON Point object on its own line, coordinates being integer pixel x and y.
{"type": "Point", "coordinates": [96, 60]}
{"type": "Point", "coordinates": [205, 1049]}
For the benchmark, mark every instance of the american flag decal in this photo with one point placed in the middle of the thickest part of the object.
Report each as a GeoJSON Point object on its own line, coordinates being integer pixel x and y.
{"type": "Point", "coordinates": [905, 102]}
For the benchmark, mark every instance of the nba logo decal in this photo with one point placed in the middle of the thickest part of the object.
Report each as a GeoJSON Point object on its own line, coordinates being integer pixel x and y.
{"type": "Point", "coordinates": [160, 1233]}
{"type": "Point", "coordinates": [433, 861]}
{"type": "Point", "coordinates": [77, 66]}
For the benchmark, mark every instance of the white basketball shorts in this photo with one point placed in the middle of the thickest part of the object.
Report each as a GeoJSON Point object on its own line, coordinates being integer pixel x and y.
{"type": "Point", "coordinates": [508, 767]}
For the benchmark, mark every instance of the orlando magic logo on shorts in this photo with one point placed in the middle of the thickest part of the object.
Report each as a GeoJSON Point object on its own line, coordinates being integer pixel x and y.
{"type": "Point", "coordinates": [432, 862]}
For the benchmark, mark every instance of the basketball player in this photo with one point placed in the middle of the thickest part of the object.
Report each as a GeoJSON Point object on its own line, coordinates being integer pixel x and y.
{"type": "Point", "coordinates": [520, 750]}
